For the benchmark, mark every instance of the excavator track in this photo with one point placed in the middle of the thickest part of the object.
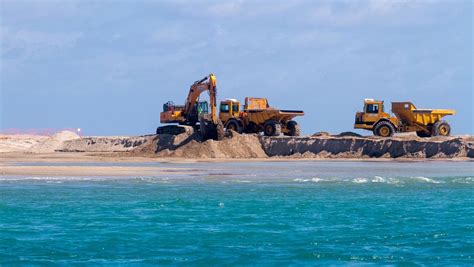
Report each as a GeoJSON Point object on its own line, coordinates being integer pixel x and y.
{"type": "Point", "coordinates": [171, 129]}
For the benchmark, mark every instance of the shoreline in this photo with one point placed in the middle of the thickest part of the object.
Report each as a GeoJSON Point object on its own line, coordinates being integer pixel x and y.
{"type": "Point", "coordinates": [11, 163]}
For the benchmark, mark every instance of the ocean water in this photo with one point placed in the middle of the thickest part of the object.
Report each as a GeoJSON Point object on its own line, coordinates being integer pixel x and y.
{"type": "Point", "coordinates": [254, 213]}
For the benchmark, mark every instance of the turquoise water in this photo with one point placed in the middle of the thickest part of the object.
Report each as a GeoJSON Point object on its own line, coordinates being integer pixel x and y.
{"type": "Point", "coordinates": [272, 213]}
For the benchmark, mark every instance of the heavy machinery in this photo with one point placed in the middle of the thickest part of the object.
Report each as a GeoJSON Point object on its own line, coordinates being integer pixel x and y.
{"type": "Point", "coordinates": [425, 122]}
{"type": "Point", "coordinates": [257, 116]}
{"type": "Point", "coordinates": [194, 112]}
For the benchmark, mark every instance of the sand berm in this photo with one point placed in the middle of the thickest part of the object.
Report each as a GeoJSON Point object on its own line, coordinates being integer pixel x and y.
{"type": "Point", "coordinates": [241, 146]}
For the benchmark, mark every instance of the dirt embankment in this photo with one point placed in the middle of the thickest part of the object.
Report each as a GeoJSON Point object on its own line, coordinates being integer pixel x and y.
{"type": "Point", "coordinates": [105, 144]}
{"type": "Point", "coordinates": [189, 145]}
{"type": "Point", "coordinates": [359, 147]}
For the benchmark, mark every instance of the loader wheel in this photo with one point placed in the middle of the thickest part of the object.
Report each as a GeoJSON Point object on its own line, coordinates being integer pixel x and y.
{"type": "Point", "coordinates": [294, 128]}
{"type": "Point", "coordinates": [441, 128]}
{"type": "Point", "coordinates": [384, 129]}
{"type": "Point", "coordinates": [234, 126]}
{"type": "Point", "coordinates": [272, 128]}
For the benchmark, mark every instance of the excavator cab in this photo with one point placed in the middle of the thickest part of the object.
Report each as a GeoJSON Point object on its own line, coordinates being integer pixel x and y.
{"type": "Point", "coordinates": [200, 109]}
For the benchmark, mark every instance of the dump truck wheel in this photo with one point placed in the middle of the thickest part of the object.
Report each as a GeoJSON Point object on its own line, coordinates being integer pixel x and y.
{"type": "Point", "coordinates": [441, 128]}
{"type": "Point", "coordinates": [234, 126]}
{"type": "Point", "coordinates": [272, 128]}
{"type": "Point", "coordinates": [294, 128]}
{"type": "Point", "coordinates": [384, 129]}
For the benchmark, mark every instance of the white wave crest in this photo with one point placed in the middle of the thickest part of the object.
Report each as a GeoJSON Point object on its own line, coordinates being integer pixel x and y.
{"type": "Point", "coordinates": [427, 180]}
{"type": "Point", "coordinates": [360, 180]}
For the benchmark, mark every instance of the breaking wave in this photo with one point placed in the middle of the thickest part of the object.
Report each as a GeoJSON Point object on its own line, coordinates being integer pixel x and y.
{"type": "Point", "coordinates": [389, 180]}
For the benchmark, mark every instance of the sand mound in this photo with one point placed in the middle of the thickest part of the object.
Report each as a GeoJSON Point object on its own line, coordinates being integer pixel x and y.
{"type": "Point", "coordinates": [53, 143]}
{"type": "Point", "coordinates": [188, 146]}
{"type": "Point", "coordinates": [106, 144]}
{"type": "Point", "coordinates": [318, 134]}
{"type": "Point", "coordinates": [348, 134]}
{"type": "Point", "coordinates": [20, 142]}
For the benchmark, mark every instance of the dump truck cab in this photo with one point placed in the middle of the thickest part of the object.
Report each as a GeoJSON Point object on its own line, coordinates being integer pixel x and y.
{"type": "Point", "coordinates": [374, 118]}
{"type": "Point", "coordinates": [374, 111]}
{"type": "Point", "coordinates": [229, 110]}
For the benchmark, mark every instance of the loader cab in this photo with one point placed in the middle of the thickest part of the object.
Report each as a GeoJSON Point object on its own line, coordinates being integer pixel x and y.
{"type": "Point", "coordinates": [229, 108]}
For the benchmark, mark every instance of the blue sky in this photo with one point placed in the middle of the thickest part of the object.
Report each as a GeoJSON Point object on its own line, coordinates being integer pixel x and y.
{"type": "Point", "coordinates": [108, 66]}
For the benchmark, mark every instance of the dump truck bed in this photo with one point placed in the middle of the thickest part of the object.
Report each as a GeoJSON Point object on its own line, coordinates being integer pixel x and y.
{"type": "Point", "coordinates": [407, 113]}
{"type": "Point", "coordinates": [260, 116]}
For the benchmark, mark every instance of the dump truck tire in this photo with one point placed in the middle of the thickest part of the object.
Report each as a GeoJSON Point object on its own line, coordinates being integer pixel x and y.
{"type": "Point", "coordinates": [234, 125]}
{"type": "Point", "coordinates": [294, 128]}
{"type": "Point", "coordinates": [384, 129]}
{"type": "Point", "coordinates": [441, 128]}
{"type": "Point", "coordinates": [272, 128]}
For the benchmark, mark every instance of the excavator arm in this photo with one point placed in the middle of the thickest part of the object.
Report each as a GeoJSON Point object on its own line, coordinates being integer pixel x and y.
{"type": "Point", "coordinates": [208, 83]}
{"type": "Point", "coordinates": [210, 127]}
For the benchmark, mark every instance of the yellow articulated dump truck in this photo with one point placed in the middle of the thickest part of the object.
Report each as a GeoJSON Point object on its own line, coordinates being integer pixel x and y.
{"type": "Point", "coordinates": [257, 116]}
{"type": "Point", "coordinates": [425, 122]}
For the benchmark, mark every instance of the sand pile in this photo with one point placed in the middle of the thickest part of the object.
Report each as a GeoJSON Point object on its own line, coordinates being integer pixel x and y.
{"type": "Point", "coordinates": [105, 144]}
{"type": "Point", "coordinates": [19, 142]}
{"type": "Point", "coordinates": [189, 145]}
{"type": "Point", "coordinates": [239, 146]}
{"type": "Point", "coordinates": [54, 142]}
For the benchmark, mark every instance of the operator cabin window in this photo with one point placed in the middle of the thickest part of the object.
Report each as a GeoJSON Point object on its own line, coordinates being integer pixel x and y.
{"type": "Point", "coordinates": [235, 108]}
{"type": "Point", "coordinates": [225, 108]}
{"type": "Point", "coordinates": [372, 108]}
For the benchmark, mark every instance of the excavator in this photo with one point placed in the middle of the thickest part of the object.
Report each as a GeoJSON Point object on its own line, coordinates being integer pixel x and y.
{"type": "Point", "coordinates": [194, 113]}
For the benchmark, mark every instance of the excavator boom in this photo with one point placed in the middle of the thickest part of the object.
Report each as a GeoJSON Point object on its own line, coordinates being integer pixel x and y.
{"type": "Point", "coordinates": [196, 90]}
{"type": "Point", "coordinates": [191, 113]}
